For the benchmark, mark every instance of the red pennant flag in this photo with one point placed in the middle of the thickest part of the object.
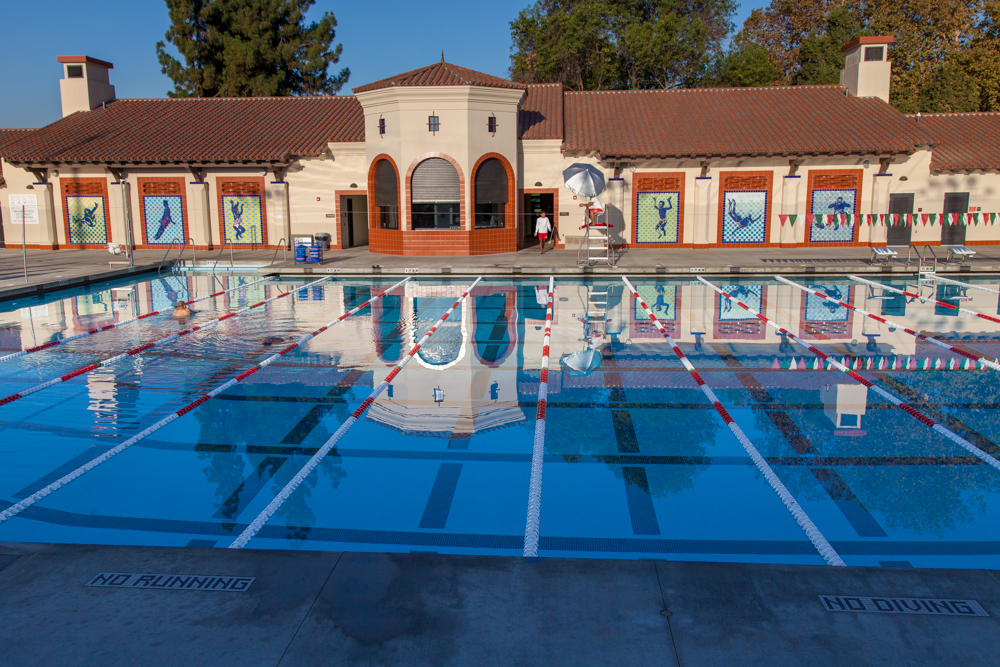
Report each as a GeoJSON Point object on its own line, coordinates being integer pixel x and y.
{"type": "Point", "coordinates": [783, 218]}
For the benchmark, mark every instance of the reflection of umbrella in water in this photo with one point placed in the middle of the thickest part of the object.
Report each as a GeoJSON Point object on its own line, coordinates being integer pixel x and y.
{"type": "Point", "coordinates": [585, 180]}
{"type": "Point", "coordinates": [582, 362]}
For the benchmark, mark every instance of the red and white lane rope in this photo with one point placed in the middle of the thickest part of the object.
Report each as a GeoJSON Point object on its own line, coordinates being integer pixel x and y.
{"type": "Point", "coordinates": [925, 299]}
{"type": "Point", "coordinates": [976, 357]}
{"type": "Point", "coordinates": [142, 348]}
{"type": "Point", "coordinates": [16, 509]}
{"type": "Point", "coordinates": [301, 475]}
{"type": "Point", "coordinates": [966, 285]}
{"type": "Point", "coordinates": [905, 407]}
{"type": "Point", "coordinates": [538, 450]}
{"type": "Point", "coordinates": [109, 327]}
{"type": "Point", "coordinates": [821, 544]}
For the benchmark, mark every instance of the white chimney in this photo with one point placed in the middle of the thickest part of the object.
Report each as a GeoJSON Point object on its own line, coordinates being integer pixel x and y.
{"type": "Point", "coordinates": [85, 84]}
{"type": "Point", "coordinates": [867, 68]}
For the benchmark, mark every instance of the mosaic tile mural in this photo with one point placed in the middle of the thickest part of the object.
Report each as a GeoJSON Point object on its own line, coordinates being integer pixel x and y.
{"type": "Point", "coordinates": [833, 202]}
{"type": "Point", "coordinates": [657, 217]}
{"type": "Point", "coordinates": [164, 218]}
{"type": "Point", "coordinates": [751, 295]}
{"type": "Point", "coordinates": [661, 299]}
{"type": "Point", "coordinates": [242, 218]}
{"type": "Point", "coordinates": [821, 310]}
{"type": "Point", "coordinates": [745, 218]}
{"type": "Point", "coordinates": [86, 219]}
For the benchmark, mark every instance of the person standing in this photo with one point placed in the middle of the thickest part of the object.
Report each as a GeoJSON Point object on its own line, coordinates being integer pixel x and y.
{"type": "Point", "coordinates": [542, 228]}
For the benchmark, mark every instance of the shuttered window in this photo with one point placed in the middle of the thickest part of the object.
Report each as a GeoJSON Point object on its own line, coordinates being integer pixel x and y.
{"type": "Point", "coordinates": [434, 180]}
{"type": "Point", "coordinates": [491, 194]}
{"type": "Point", "coordinates": [386, 188]}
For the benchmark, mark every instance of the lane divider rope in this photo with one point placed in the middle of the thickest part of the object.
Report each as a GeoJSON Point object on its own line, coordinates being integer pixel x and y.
{"type": "Point", "coordinates": [969, 355]}
{"type": "Point", "coordinates": [905, 407]}
{"type": "Point", "coordinates": [961, 284]}
{"type": "Point", "coordinates": [142, 348]}
{"type": "Point", "coordinates": [821, 544]}
{"type": "Point", "coordinates": [531, 526]}
{"type": "Point", "coordinates": [109, 327]}
{"type": "Point", "coordinates": [19, 507]}
{"type": "Point", "coordinates": [254, 527]}
{"type": "Point", "coordinates": [926, 299]}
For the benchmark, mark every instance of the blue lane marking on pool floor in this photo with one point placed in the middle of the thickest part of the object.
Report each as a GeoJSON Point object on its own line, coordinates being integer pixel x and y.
{"type": "Point", "coordinates": [442, 494]}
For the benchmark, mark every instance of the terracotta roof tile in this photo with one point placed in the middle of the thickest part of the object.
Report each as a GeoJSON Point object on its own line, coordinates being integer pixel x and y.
{"type": "Point", "coordinates": [736, 122]}
{"type": "Point", "coordinates": [541, 114]}
{"type": "Point", "coordinates": [963, 140]}
{"type": "Point", "coordinates": [10, 135]}
{"type": "Point", "coordinates": [196, 130]}
{"type": "Point", "coordinates": [440, 74]}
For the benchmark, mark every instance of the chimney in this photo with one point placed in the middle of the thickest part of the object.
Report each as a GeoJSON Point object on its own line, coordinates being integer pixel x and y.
{"type": "Point", "coordinates": [85, 84]}
{"type": "Point", "coordinates": [867, 68]}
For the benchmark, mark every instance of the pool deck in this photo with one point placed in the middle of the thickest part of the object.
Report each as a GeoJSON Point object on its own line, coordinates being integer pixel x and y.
{"type": "Point", "coordinates": [342, 608]}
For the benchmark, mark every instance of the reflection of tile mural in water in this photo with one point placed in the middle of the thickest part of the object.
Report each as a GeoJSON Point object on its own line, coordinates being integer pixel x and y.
{"type": "Point", "coordinates": [745, 217]}
{"type": "Point", "coordinates": [166, 292]}
{"type": "Point", "coordinates": [751, 295]}
{"type": "Point", "coordinates": [164, 219]}
{"type": "Point", "coordinates": [821, 310]}
{"type": "Point", "coordinates": [657, 217]}
{"type": "Point", "coordinates": [662, 300]}
{"type": "Point", "coordinates": [242, 218]}
{"type": "Point", "coordinates": [833, 202]}
{"type": "Point", "coordinates": [86, 219]}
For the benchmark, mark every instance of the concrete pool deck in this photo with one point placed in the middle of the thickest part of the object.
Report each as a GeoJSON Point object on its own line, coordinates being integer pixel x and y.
{"type": "Point", "coordinates": [342, 608]}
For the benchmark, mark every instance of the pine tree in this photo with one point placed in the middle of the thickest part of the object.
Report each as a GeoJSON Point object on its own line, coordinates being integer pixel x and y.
{"type": "Point", "coordinates": [240, 48]}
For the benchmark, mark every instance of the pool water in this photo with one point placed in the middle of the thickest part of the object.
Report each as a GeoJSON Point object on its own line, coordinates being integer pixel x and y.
{"type": "Point", "coordinates": [638, 463]}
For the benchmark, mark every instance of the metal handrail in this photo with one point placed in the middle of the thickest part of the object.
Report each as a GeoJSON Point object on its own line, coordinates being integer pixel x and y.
{"type": "Point", "coordinates": [231, 264]}
{"type": "Point", "coordinates": [171, 245]}
{"type": "Point", "coordinates": [194, 254]}
{"type": "Point", "coordinates": [927, 246]}
{"type": "Point", "coordinates": [284, 256]}
{"type": "Point", "coordinates": [911, 249]}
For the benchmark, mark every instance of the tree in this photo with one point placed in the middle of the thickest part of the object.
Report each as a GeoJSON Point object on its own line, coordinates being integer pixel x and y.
{"type": "Point", "coordinates": [239, 48]}
{"type": "Point", "coordinates": [820, 58]}
{"type": "Point", "coordinates": [618, 44]}
{"type": "Point", "coordinates": [782, 26]}
{"type": "Point", "coordinates": [744, 64]}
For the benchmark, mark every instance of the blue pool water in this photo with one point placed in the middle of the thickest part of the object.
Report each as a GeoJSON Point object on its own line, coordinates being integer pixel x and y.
{"type": "Point", "coordinates": [638, 464]}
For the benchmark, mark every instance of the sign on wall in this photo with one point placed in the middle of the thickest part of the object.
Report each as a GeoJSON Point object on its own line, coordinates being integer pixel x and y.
{"type": "Point", "coordinates": [87, 221]}
{"type": "Point", "coordinates": [23, 209]}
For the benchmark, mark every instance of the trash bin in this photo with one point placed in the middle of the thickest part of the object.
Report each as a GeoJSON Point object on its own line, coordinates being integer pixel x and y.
{"type": "Point", "coordinates": [324, 240]}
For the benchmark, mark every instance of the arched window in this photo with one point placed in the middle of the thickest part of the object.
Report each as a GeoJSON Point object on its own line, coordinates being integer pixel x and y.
{"type": "Point", "coordinates": [491, 194]}
{"type": "Point", "coordinates": [434, 195]}
{"type": "Point", "coordinates": [386, 195]}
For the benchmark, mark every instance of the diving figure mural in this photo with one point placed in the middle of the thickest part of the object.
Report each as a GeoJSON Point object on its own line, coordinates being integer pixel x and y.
{"type": "Point", "coordinates": [165, 222]}
{"type": "Point", "coordinates": [661, 209]}
{"type": "Point", "coordinates": [237, 209]}
{"type": "Point", "coordinates": [89, 216]}
{"type": "Point", "coordinates": [741, 220]}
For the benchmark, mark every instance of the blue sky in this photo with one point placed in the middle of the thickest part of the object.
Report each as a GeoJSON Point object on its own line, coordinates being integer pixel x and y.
{"type": "Point", "coordinates": [406, 35]}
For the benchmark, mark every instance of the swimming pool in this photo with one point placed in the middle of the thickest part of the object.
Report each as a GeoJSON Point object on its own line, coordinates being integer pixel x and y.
{"type": "Point", "coordinates": [638, 462]}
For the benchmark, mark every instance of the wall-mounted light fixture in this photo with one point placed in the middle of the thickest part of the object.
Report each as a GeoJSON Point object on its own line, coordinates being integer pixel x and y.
{"type": "Point", "coordinates": [491, 125]}
{"type": "Point", "coordinates": [55, 172]}
{"type": "Point", "coordinates": [866, 164]}
{"type": "Point", "coordinates": [354, 185]}
{"type": "Point", "coordinates": [631, 167]}
{"type": "Point", "coordinates": [381, 126]}
{"type": "Point", "coordinates": [538, 184]}
{"type": "Point", "coordinates": [438, 395]}
{"type": "Point", "coordinates": [262, 172]}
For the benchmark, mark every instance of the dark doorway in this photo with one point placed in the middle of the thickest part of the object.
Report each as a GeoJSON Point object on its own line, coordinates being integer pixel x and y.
{"type": "Point", "coordinates": [350, 222]}
{"type": "Point", "coordinates": [534, 204]}
{"type": "Point", "coordinates": [954, 202]}
{"type": "Point", "coordinates": [900, 234]}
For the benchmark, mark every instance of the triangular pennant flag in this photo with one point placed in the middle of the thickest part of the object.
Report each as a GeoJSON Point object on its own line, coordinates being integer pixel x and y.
{"type": "Point", "coordinates": [933, 218]}
{"type": "Point", "coordinates": [954, 218]}
{"type": "Point", "coordinates": [783, 218]}
{"type": "Point", "coordinates": [952, 364]}
{"type": "Point", "coordinates": [858, 219]}
{"type": "Point", "coordinates": [910, 219]}
{"type": "Point", "coordinates": [993, 218]}
{"type": "Point", "coordinates": [968, 364]}
{"type": "Point", "coordinates": [792, 218]}
{"type": "Point", "coordinates": [923, 218]}
{"type": "Point", "coordinates": [810, 219]}
{"type": "Point", "coordinates": [803, 365]}
{"type": "Point", "coordinates": [776, 363]}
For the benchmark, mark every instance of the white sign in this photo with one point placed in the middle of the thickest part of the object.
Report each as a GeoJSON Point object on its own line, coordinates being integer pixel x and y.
{"type": "Point", "coordinates": [23, 208]}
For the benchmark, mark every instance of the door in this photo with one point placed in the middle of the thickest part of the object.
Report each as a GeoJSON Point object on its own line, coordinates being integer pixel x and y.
{"type": "Point", "coordinates": [954, 202]}
{"type": "Point", "coordinates": [900, 234]}
{"type": "Point", "coordinates": [350, 222]}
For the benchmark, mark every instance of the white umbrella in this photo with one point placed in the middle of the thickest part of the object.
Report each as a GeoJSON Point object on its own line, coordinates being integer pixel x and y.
{"type": "Point", "coordinates": [583, 362]}
{"type": "Point", "coordinates": [585, 180]}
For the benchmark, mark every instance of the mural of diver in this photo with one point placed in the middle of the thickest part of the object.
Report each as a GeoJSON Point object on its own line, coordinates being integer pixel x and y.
{"type": "Point", "coordinates": [165, 222]}
{"type": "Point", "coordinates": [840, 207]}
{"type": "Point", "coordinates": [743, 293]}
{"type": "Point", "coordinates": [742, 220]}
{"type": "Point", "coordinates": [237, 209]}
{"type": "Point", "coordinates": [89, 216]}
{"type": "Point", "coordinates": [661, 306]}
{"type": "Point", "coordinates": [661, 210]}
{"type": "Point", "coordinates": [831, 291]}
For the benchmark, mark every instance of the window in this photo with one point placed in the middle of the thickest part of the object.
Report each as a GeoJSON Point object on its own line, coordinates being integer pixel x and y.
{"type": "Point", "coordinates": [491, 194]}
{"type": "Point", "coordinates": [381, 127]}
{"type": "Point", "coordinates": [433, 124]}
{"type": "Point", "coordinates": [386, 195]}
{"type": "Point", "coordinates": [74, 71]}
{"type": "Point", "coordinates": [491, 125]}
{"type": "Point", "coordinates": [873, 53]}
{"type": "Point", "coordinates": [434, 195]}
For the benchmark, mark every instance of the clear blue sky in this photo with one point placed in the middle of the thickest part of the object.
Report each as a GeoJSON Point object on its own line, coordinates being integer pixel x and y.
{"type": "Point", "coordinates": [380, 39]}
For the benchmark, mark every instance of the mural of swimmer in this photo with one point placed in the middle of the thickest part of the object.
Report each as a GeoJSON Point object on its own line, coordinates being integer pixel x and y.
{"type": "Point", "coordinates": [243, 220]}
{"type": "Point", "coordinates": [657, 219]}
{"type": "Point", "coordinates": [837, 202]}
{"type": "Point", "coordinates": [164, 218]}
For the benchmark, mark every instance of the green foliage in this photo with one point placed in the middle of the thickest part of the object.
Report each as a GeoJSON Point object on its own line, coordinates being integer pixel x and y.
{"type": "Point", "coordinates": [820, 58]}
{"type": "Point", "coordinates": [618, 44]}
{"type": "Point", "coordinates": [240, 48]}
{"type": "Point", "coordinates": [951, 88]}
{"type": "Point", "coordinates": [744, 64]}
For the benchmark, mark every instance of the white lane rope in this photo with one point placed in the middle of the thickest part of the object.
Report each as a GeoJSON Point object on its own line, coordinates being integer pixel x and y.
{"type": "Point", "coordinates": [821, 544]}
{"type": "Point", "coordinates": [966, 285]}
{"type": "Point", "coordinates": [925, 299]}
{"type": "Point", "coordinates": [272, 507]}
{"type": "Point", "coordinates": [19, 507]}
{"type": "Point", "coordinates": [142, 348]}
{"type": "Point", "coordinates": [109, 327]}
{"type": "Point", "coordinates": [905, 407]}
{"type": "Point", "coordinates": [969, 355]}
{"type": "Point", "coordinates": [531, 526]}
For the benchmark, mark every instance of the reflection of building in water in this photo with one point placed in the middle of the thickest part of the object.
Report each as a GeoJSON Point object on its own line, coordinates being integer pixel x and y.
{"type": "Point", "coordinates": [844, 405]}
{"type": "Point", "coordinates": [478, 390]}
